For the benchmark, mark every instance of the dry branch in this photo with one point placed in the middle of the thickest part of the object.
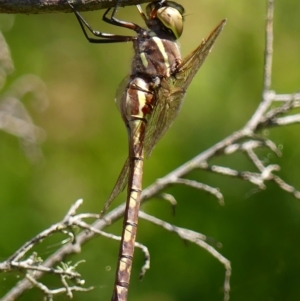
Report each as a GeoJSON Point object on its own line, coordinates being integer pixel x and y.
{"type": "Point", "coordinates": [57, 6]}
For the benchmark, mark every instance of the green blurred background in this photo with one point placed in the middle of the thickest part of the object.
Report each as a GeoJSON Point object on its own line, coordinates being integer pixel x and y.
{"type": "Point", "coordinates": [86, 146]}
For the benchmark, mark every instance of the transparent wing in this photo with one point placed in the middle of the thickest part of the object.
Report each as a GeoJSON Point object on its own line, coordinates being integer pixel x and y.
{"type": "Point", "coordinates": [122, 88]}
{"type": "Point", "coordinates": [119, 186]}
{"type": "Point", "coordinates": [123, 177]}
{"type": "Point", "coordinates": [169, 101]}
{"type": "Point", "coordinates": [192, 62]}
{"type": "Point", "coordinates": [172, 91]}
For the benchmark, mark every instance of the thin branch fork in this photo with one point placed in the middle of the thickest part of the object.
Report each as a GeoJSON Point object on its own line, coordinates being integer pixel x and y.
{"type": "Point", "coordinates": [32, 265]}
{"type": "Point", "coordinates": [34, 268]}
{"type": "Point", "coordinates": [198, 239]}
{"type": "Point", "coordinates": [266, 101]}
{"type": "Point", "coordinates": [50, 293]}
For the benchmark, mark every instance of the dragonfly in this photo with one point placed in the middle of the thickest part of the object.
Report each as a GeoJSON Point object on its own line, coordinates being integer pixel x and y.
{"type": "Point", "coordinates": [149, 100]}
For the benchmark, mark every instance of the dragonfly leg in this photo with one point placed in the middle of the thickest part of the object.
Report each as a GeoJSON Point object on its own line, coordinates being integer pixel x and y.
{"type": "Point", "coordinates": [102, 37]}
{"type": "Point", "coordinates": [114, 21]}
{"type": "Point", "coordinates": [141, 12]}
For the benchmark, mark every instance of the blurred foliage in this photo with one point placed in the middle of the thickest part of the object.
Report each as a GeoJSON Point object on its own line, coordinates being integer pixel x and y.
{"type": "Point", "coordinates": [86, 146]}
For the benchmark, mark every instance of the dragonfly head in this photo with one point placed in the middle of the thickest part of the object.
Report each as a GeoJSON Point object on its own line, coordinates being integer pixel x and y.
{"type": "Point", "coordinates": [169, 15]}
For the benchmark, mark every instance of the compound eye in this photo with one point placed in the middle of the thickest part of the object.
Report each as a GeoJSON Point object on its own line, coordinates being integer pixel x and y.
{"type": "Point", "coordinates": [172, 19]}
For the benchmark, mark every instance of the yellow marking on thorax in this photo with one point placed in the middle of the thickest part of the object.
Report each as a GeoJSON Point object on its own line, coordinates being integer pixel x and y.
{"type": "Point", "coordinates": [144, 59]}
{"type": "Point", "coordinates": [162, 50]}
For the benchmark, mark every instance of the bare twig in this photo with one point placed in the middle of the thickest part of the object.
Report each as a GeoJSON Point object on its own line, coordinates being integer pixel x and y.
{"type": "Point", "coordinates": [266, 101]}
{"type": "Point", "coordinates": [214, 191]}
{"type": "Point", "coordinates": [66, 271]}
{"type": "Point", "coordinates": [198, 239]}
{"type": "Point", "coordinates": [50, 293]}
{"type": "Point", "coordinates": [55, 6]}
{"type": "Point", "coordinates": [169, 198]}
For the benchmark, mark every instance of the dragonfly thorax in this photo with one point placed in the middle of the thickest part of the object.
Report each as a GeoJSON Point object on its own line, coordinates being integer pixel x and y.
{"type": "Point", "coordinates": [155, 57]}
